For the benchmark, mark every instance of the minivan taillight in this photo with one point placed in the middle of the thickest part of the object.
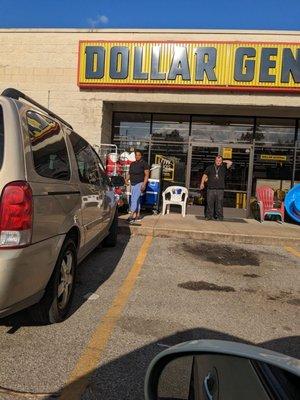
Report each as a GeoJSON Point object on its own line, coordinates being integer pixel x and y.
{"type": "Point", "coordinates": [16, 209]}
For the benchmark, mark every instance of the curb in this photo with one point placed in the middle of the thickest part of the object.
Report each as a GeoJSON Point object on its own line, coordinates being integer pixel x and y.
{"type": "Point", "coordinates": [209, 236]}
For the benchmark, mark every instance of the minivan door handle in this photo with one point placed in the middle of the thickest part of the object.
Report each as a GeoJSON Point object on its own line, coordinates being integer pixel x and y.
{"type": "Point", "coordinates": [62, 192]}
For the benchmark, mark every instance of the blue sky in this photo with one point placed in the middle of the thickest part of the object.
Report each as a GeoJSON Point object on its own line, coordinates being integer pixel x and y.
{"type": "Point", "coordinates": [200, 14]}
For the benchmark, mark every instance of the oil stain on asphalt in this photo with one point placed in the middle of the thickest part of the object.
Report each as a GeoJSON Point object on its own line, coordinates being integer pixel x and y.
{"type": "Point", "coordinates": [249, 290]}
{"type": "Point", "coordinates": [294, 302]}
{"type": "Point", "coordinates": [286, 297]}
{"type": "Point", "coordinates": [222, 254]}
{"type": "Point", "coordinates": [197, 286]}
{"type": "Point", "coordinates": [251, 276]}
{"type": "Point", "coordinates": [202, 285]}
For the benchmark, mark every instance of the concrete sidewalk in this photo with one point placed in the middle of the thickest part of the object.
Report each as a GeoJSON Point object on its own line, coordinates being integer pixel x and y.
{"type": "Point", "coordinates": [230, 230]}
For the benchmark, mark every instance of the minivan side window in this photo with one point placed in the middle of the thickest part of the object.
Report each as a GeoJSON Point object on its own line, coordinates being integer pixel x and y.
{"type": "Point", "coordinates": [87, 160]}
{"type": "Point", "coordinates": [1, 136]}
{"type": "Point", "coordinates": [49, 150]}
{"type": "Point", "coordinates": [103, 173]}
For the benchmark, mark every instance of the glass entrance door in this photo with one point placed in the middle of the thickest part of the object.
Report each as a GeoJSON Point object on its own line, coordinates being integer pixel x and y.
{"type": "Point", "coordinates": [238, 180]}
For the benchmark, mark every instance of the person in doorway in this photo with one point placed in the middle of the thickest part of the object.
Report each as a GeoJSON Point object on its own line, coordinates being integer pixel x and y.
{"type": "Point", "coordinates": [215, 176]}
{"type": "Point", "coordinates": [138, 177]}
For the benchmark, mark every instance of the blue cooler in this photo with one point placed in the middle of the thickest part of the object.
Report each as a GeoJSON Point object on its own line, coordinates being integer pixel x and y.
{"type": "Point", "coordinates": [152, 193]}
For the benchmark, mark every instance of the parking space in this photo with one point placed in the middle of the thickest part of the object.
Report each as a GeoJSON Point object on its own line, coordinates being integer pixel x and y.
{"type": "Point", "coordinates": [185, 290]}
{"type": "Point", "coordinates": [39, 358]}
{"type": "Point", "coordinates": [294, 250]}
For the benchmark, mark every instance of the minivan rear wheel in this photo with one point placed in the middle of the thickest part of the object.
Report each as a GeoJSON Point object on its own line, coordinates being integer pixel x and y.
{"type": "Point", "coordinates": [57, 299]}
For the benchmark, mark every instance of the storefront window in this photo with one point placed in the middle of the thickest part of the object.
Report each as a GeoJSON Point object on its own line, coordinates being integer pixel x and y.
{"type": "Point", "coordinates": [275, 131]}
{"type": "Point", "coordinates": [297, 171]}
{"type": "Point", "coordinates": [173, 158]}
{"type": "Point", "coordinates": [215, 129]}
{"type": "Point", "coordinates": [169, 127]}
{"type": "Point", "coordinates": [164, 139]}
{"type": "Point", "coordinates": [131, 126]}
{"type": "Point", "coordinates": [273, 167]}
{"type": "Point", "coordinates": [130, 146]}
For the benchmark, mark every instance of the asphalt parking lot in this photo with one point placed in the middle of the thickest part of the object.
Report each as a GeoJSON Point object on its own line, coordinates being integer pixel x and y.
{"type": "Point", "coordinates": [130, 306]}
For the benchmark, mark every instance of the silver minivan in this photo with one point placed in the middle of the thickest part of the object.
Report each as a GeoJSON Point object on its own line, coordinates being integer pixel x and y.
{"type": "Point", "coordinates": [56, 206]}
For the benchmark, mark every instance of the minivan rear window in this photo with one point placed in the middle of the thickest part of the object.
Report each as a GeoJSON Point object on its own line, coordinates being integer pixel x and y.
{"type": "Point", "coordinates": [50, 155]}
{"type": "Point", "coordinates": [1, 136]}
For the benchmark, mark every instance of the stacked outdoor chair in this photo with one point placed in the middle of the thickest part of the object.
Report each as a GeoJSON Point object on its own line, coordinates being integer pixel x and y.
{"type": "Point", "coordinates": [265, 201]}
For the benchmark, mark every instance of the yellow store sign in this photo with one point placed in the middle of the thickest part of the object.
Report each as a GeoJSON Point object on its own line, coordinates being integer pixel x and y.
{"type": "Point", "coordinates": [190, 65]}
{"type": "Point", "coordinates": [273, 157]}
{"type": "Point", "coordinates": [227, 152]}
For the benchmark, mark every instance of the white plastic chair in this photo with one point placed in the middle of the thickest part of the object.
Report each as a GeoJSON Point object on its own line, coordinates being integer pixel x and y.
{"type": "Point", "coordinates": [176, 195]}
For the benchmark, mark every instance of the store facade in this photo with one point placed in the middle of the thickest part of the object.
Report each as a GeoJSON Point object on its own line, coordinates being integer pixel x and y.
{"type": "Point", "coordinates": [180, 96]}
{"type": "Point", "coordinates": [264, 150]}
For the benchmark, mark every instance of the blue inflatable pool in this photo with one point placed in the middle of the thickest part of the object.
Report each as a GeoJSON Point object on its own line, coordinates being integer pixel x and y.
{"type": "Point", "coordinates": [292, 203]}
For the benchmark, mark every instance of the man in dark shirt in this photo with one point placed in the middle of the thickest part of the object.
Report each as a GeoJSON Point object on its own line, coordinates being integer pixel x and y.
{"type": "Point", "coordinates": [138, 176]}
{"type": "Point", "coordinates": [215, 176]}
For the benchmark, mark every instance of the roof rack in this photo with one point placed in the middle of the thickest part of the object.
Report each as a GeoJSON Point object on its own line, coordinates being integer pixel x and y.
{"type": "Point", "coordinates": [16, 94]}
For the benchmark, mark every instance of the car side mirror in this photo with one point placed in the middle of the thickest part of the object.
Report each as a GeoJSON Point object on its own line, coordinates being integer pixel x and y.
{"type": "Point", "coordinates": [221, 370]}
{"type": "Point", "coordinates": [117, 181]}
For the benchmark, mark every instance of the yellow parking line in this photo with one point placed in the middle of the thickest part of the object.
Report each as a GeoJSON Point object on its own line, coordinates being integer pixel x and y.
{"type": "Point", "coordinates": [91, 356]}
{"type": "Point", "coordinates": [293, 251]}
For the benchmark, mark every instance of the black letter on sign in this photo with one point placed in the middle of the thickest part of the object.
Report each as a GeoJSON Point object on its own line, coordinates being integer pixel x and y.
{"type": "Point", "coordinates": [119, 61]}
{"type": "Point", "coordinates": [206, 58]}
{"type": "Point", "coordinates": [138, 64]}
{"type": "Point", "coordinates": [266, 64]}
{"type": "Point", "coordinates": [244, 68]}
{"type": "Point", "coordinates": [180, 65]}
{"type": "Point", "coordinates": [290, 65]}
{"type": "Point", "coordinates": [155, 62]}
{"type": "Point", "coordinates": [93, 52]}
